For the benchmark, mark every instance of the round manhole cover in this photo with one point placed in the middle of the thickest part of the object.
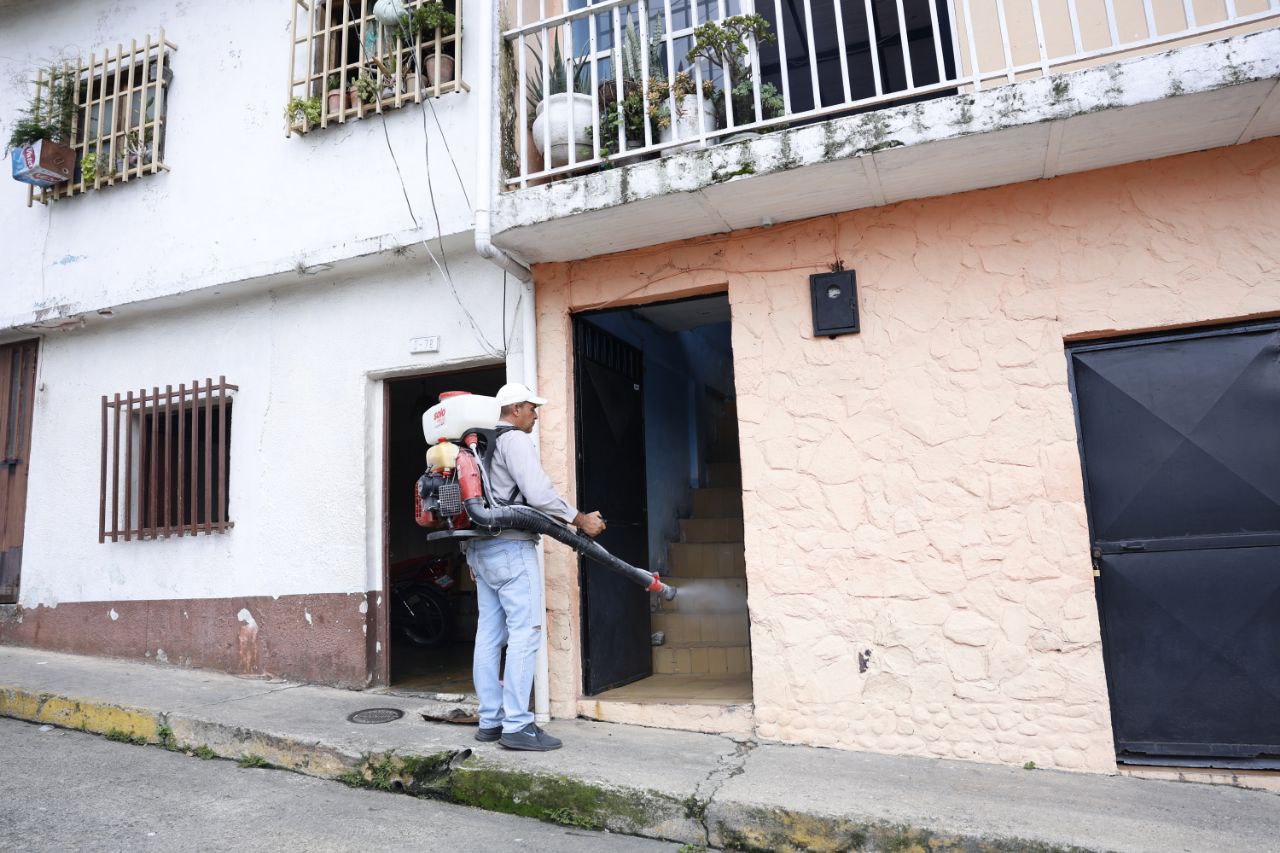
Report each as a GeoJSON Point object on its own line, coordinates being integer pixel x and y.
{"type": "Point", "coordinates": [375, 715]}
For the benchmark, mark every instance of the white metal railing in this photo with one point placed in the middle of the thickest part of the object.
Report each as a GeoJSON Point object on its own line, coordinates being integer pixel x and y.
{"type": "Point", "coordinates": [593, 83]}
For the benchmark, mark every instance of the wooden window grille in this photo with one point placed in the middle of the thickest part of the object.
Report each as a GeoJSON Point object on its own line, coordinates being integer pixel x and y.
{"type": "Point", "coordinates": [119, 117]}
{"type": "Point", "coordinates": [336, 43]}
{"type": "Point", "coordinates": [165, 456]}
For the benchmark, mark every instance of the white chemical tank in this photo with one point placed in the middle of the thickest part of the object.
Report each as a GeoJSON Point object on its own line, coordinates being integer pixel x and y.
{"type": "Point", "coordinates": [457, 412]}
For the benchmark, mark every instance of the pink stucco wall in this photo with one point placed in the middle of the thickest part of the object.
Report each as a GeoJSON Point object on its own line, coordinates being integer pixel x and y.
{"type": "Point", "coordinates": [915, 490]}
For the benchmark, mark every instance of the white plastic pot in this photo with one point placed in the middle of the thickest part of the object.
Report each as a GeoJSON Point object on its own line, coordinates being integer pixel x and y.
{"type": "Point", "coordinates": [562, 112]}
{"type": "Point", "coordinates": [685, 124]}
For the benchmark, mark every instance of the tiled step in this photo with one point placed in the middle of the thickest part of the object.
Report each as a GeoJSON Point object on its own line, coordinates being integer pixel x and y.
{"type": "Point", "coordinates": [717, 503]}
{"type": "Point", "coordinates": [724, 475]}
{"type": "Point", "coordinates": [706, 560]}
{"type": "Point", "coordinates": [711, 530]}
{"type": "Point", "coordinates": [708, 595]}
{"type": "Point", "coordinates": [682, 628]}
{"type": "Point", "coordinates": [702, 658]}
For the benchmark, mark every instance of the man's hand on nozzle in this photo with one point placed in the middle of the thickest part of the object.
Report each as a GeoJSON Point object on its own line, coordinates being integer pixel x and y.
{"type": "Point", "coordinates": [590, 524]}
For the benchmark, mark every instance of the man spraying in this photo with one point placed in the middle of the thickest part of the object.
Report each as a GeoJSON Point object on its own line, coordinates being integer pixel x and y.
{"type": "Point", "coordinates": [508, 588]}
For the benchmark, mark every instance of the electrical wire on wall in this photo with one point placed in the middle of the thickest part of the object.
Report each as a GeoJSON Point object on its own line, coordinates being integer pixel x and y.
{"type": "Point", "coordinates": [441, 263]}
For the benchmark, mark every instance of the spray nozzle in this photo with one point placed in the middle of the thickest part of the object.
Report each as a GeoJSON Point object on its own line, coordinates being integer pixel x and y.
{"type": "Point", "coordinates": [667, 592]}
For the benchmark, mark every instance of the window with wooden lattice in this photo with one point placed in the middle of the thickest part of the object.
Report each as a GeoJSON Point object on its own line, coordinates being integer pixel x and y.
{"type": "Point", "coordinates": [117, 100]}
{"type": "Point", "coordinates": [166, 454]}
{"type": "Point", "coordinates": [345, 64]}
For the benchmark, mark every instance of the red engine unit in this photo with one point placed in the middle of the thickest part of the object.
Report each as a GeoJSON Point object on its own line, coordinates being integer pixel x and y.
{"type": "Point", "coordinates": [439, 494]}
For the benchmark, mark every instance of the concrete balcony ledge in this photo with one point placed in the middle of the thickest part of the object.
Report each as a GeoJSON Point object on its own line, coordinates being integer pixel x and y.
{"type": "Point", "coordinates": [1181, 100]}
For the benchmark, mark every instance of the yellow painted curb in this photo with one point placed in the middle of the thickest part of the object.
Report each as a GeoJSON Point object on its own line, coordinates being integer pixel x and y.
{"type": "Point", "coordinates": [84, 714]}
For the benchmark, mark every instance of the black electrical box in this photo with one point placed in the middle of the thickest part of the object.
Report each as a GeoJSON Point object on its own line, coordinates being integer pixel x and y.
{"type": "Point", "coordinates": [835, 303]}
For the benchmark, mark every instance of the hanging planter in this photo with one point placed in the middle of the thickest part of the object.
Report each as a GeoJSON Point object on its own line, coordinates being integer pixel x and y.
{"type": "Point", "coordinates": [43, 163]}
{"type": "Point", "coordinates": [39, 155]}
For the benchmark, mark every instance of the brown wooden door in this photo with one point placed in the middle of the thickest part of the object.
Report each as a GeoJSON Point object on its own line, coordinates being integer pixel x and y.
{"type": "Point", "coordinates": [17, 398]}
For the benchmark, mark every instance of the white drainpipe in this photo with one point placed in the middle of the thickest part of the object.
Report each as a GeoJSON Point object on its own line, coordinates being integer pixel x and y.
{"type": "Point", "coordinates": [528, 318]}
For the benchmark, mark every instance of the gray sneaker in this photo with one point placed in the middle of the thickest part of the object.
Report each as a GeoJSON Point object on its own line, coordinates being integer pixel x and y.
{"type": "Point", "coordinates": [531, 738]}
{"type": "Point", "coordinates": [488, 735]}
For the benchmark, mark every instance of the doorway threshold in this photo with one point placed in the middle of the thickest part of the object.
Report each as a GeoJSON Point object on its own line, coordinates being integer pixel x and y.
{"type": "Point", "coordinates": [718, 704]}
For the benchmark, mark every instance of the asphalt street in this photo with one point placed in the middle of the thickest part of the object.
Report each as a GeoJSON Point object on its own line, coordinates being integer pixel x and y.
{"type": "Point", "coordinates": [64, 790]}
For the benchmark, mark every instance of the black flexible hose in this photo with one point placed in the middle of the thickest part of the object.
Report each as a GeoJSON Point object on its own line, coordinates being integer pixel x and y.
{"type": "Point", "coordinates": [514, 517]}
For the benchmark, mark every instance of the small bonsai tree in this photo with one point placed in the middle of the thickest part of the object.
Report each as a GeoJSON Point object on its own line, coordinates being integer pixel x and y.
{"type": "Point", "coordinates": [726, 44]}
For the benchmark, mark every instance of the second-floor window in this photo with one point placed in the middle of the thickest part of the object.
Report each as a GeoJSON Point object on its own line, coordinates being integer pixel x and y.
{"type": "Point", "coordinates": [345, 63]}
{"type": "Point", "coordinates": [117, 105]}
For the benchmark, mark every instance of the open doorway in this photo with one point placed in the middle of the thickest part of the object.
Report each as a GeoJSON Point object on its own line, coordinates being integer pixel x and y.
{"type": "Point", "coordinates": [431, 599]}
{"type": "Point", "coordinates": [657, 435]}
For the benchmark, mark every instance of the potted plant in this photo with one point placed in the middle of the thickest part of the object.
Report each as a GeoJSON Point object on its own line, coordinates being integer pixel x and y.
{"type": "Point", "coordinates": [433, 21]}
{"type": "Point", "coordinates": [89, 168]}
{"type": "Point", "coordinates": [139, 148]}
{"type": "Point", "coordinates": [40, 141]}
{"type": "Point", "coordinates": [338, 100]}
{"type": "Point", "coordinates": [559, 109]}
{"type": "Point", "coordinates": [726, 44]}
{"type": "Point", "coordinates": [302, 113]}
{"type": "Point", "coordinates": [366, 88]}
{"type": "Point", "coordinates": [684, 122]}
{"type": "Point", "coordinates": [629, 116]}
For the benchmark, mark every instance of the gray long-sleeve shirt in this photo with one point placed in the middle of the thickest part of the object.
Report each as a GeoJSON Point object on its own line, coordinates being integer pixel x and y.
{"type": "Point", "coordinates": [515, 464]}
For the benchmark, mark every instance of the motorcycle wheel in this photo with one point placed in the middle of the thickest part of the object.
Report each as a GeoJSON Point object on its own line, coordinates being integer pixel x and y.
{"type": "Point", "coordinates": [425, 618]}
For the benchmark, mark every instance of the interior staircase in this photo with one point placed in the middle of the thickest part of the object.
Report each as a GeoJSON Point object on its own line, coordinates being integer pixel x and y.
{"type": "Point", "coordinates": [709, 635]}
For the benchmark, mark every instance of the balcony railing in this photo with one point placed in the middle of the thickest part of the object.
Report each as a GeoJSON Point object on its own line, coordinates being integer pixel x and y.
{"type": "Point", "coordinates": [595, 83]}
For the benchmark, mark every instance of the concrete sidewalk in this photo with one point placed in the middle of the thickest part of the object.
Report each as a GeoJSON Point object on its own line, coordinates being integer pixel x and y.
{"type": "Point", "coordinates": [690, 788]}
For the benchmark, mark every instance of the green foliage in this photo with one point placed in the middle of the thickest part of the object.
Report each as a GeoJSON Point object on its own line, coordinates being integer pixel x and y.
{"type": "Point", "coordinates": [692, 848]}
{"type": "Point", "coordinates": [726, 44]}
{"type": "Point", "coordinates": [744, 102]}
{"type": "Point", "coordinates": [568, 817]}
{"type": "Point", "coordinates": [124, 737]}
{"type": "Point", "coordinates": [366, 88]}
{"type": "Point", "coordinates": [164, 734]}
{"type": "Point", "coordinates": [334, 83]}
{"type": "Point", "coordinates": [1030, 765]}
{"type": "Point", "coordinates": [432, 16]}
{"type": "Point", "coordinates": [251, 760]}
{"type": "Point", "coordinates": [204, 753]}
{"type": "Point", "coordinates": [50, 117]}
{"type": "Point", "coordinates": [631, 54]}
{"type": "Point", "coordinates": [559, 76]}
{"type": "Point", "coordinates": [661, 94]}
{"type": "Point", "coordinates": [304, 111]}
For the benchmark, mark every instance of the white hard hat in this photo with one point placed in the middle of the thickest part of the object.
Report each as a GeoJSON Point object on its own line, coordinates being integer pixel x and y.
{"type": "Point", "coordinates": [515, 392]}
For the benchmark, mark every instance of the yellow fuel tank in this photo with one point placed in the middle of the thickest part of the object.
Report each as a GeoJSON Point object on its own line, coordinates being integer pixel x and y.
{"type": "Point", "coordinates": [443, 455]}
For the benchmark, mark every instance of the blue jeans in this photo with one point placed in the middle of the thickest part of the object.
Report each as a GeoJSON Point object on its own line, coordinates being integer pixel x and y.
{"type": "Point", "coordinates": [509, 597]}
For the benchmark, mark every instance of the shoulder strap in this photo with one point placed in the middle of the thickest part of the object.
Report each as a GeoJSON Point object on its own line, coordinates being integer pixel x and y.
{"type": "Point", "coordinates": [498, 432]}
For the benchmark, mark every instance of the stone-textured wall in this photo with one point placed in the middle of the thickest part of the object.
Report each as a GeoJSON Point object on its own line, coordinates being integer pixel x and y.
{"type": "Point", "coordinates": [913, 494]}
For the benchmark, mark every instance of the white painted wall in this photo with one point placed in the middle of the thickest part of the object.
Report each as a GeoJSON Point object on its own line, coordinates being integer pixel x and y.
{"type": "Point", "coordinates": [305, 473]}
{"type": "Point", "coordinates": [241, 200]}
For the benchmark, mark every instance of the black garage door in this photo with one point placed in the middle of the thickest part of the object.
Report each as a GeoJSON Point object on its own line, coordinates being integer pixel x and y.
{"type": "Point", "coordinates": [1180, 438]}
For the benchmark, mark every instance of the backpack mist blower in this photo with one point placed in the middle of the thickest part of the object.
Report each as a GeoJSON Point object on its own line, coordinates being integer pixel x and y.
{"type": "Point", "coordinates": [455, 501]}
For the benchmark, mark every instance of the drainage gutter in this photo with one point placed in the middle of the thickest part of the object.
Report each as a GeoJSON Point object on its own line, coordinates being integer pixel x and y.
{"type": "Point", "coordinates": [528, 372]}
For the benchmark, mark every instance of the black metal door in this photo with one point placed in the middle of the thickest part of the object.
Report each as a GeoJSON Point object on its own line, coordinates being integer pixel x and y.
{"type": "Point", "coordinates": [611, 479]}
{"type": "Point", "coordinates": [1180, 438]}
